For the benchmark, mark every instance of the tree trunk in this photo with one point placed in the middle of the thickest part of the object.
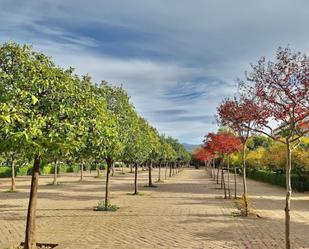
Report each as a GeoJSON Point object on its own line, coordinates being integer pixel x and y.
{"type": "Point", "coordinates": [159, 177]}
{"type": "Point", "coordinates": [245, 195]}
{"type": "Point", "coordinates": [235, 182]}
{"type": "Point", "coordinates": [13, 185]}
{"type": "Point", "coordinates": [211, 172]}
{"type": "Point", "coordinates": [81, 171]}
{"type": "Point", "coordinates": [166, 166]}
{"type": "Point", "coordinates": [288, 195]}
{"type": "Point", "coordinates": [149, 174]}
{"type": "Point", "coordinates": [205, 165]}
{"type": "Point", "coordinates": [113, 169]}
{"type": "Point", "coordinates": [228, 176]}
{"type": "Point", "coordinates": [135, 179]}
{"type": "Point", "coordinates": [55, 172]}
{"type": "Point", "coordinates": [131, 168]}
{"type": "Point", "coordinates": [218, 172]}
{"type": "Point", "coordinates": [98, 169]}
{"type": "Point", "coordinates": [109, 163]}
{"type": "Point", "coordinates": [221, 176]}
{"type": "Point", "coordinates": [223, 181]}
{"type": "Point", "coordinates": [30, 240]}
{"type": "Point", "coordinates": [170, 170]}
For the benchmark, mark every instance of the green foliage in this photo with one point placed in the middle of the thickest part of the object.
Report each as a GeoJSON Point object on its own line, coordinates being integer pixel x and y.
{"type": "Point", "coordinates": [50, 112]}
{"type": "Point", "coordinates": [273, 158]}
{"type": "Point", "coordinates": [181, 154]}
{"type": "Point", "coordinates": [258, 141]}
{"type": "Point", "coordinates": [5, 171]}
{"type": "Point", "coordinates": [255, 158]}
{"type": "Point", "coordinates": [110, 208]}
{"type": "Point", "coordinates": [304, 143]}
{"type": "Point", "coordinates": [47, 169]}
{"type": "Point", "coordinates": [298, 183]}
{"type": "Point", "coordinates": [300, 161]}
{"type": "Point", "coordinates": [69, 168]}
{"type": "Point", "coordinates": [40, 93]}
{"type": "Point", "coordinates": [236, 160]}
{"type": "Point", "coordinates": [23, 170]}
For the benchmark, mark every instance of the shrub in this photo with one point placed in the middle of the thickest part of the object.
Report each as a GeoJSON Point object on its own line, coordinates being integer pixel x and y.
{"type": "Point", "coordinates": [110, 207]}
{"type": "Point", "coordinates": [274, 157]}
{"type": "Point", "coordinates": [47, 169]}
{"type": "Point", "coordinates": [235, 160]}
{"type": "Point", "coordinates": [254, 158]}
{"type": "Point", "coordinates": [23, 170]}
{"type": "Point", "coordinates": [5, 171]}
{"type": "Point", "coordinates": [70, 168]}
{"type": "Point", "coordinates": [298, 183]}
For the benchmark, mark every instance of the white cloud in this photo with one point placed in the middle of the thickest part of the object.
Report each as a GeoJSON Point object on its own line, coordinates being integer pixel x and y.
{"type": "Point", "coordinates": [164, 46]}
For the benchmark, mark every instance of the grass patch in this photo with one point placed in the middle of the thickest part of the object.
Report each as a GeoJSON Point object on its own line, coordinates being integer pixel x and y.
{"type": "Point", "coordinates": [109, 208]}
{"type": "Point", "coordinates": [38, 246]}
{"type": "Point", "coordinates": [241, 206]}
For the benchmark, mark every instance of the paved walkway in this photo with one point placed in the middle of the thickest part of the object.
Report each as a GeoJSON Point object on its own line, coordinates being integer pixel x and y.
{"type": "Point", "coordinates": [187, 211]}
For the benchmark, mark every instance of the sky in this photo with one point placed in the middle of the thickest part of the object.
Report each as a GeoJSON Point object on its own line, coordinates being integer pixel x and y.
{"type": "Point", "coordinates": [177, 59]}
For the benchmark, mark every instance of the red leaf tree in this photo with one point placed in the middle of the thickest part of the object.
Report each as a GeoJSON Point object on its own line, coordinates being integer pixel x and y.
{"type": "Point", "coordinates": [203, 154]}
{"type": "Point", "coordinates": [225, 143]}
{"type": "Point", "coordinates": [281, 90]}
{"type": "Point", "coordinates": [242, 116]}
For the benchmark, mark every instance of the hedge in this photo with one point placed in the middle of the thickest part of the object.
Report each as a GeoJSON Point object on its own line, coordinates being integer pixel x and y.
{"type": "Point", "coordinates": [299, 184]}
{"type": "Point", "coordinates": [23, 171]}
{"type": "Point", "coordinates": [69, 168]}
{"type": "Point", "coordinates": [5, 171]}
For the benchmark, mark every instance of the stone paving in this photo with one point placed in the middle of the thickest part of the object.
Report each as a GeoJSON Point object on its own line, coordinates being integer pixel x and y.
{"type": "Point", "coordinates": [186, 211]}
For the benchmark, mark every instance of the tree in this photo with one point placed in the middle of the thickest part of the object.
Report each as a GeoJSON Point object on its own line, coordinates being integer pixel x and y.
{"type": "Point", "coordinates": [242, 116]}
{"type": "Point", "coordinates": [225, 143]}
{"type": "Point", "coordinates": [203, 154]}
{"type": "Point", "coordinates": [162, 155]}
{"type": "Point", "coordinates": [153, 143]}
{"type": "Point", "coordinates": [281, 90]}
{"type": "Point", "coordinates": [182, 155]}
{"type": "Point", "coordinates": [38, 90]}
{"type": "Point", "coordinates": [115, 137]}
{"type": "Point", "coordinates": [50, 114]}
{"type": "Point", "coordinates": [135, 151]}
{"type": "Point", "coordinates": [170, 154]}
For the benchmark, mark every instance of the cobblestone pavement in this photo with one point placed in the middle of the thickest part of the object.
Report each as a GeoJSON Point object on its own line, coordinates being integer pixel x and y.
{"type": "Point", "coordinates": [186, 211]}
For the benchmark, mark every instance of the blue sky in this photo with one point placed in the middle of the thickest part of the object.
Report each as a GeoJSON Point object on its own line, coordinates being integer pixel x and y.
{"type": "Point", "coordinates": [177, 58]}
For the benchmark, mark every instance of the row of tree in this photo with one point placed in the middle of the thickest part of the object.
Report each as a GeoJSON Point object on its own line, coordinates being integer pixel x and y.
{"type": "Point", "coordinates": [273, 94]}
{"type": "Point", "coordinates": [48, 113]}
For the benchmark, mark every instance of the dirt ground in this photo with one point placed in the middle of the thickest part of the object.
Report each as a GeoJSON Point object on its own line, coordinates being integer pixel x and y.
{"type": "Point", "coordinates": [186, 211]}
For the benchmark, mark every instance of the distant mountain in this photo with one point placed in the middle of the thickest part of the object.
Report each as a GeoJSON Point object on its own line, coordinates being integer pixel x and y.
{"type": "Point", "coordinates": [190, 147]}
